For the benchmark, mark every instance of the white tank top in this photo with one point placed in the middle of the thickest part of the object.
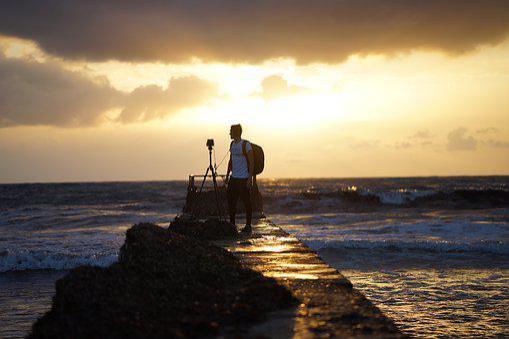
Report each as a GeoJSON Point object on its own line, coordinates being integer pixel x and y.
{"type": "Point", "coordinates": [239, 162]}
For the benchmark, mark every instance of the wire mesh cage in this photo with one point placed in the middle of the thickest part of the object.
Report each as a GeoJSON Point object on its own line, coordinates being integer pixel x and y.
{"type": "Point", "coordinates": [203, 204]}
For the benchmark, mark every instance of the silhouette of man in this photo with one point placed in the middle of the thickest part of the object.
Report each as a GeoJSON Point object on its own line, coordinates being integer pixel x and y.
{"type": "Point", "coordinates": [241, 179]}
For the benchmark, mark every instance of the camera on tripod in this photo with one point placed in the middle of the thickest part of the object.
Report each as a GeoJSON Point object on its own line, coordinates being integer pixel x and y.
{"type": "Point", "coordinates": [210, 144]}
{"type": "Point", "coordinates": [213, 175]}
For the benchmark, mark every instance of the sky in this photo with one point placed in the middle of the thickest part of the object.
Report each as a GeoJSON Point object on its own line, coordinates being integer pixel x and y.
{"type": "Point", "coordinates": [131, 90]}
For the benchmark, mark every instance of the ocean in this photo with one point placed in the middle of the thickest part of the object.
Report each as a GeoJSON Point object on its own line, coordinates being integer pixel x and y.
{"type": "Point", "coordinates": [432, 253]}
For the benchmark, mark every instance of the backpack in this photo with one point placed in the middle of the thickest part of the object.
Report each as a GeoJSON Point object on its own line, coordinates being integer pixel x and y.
{"type": "Point", "coordinates": [258, 155]}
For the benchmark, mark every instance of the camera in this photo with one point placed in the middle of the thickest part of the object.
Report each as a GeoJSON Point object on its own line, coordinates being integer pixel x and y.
{"type": "Point", "coordinates": [210, 143]}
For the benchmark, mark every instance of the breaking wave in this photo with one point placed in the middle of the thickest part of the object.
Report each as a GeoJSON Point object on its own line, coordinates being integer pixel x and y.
{"type": "Point", "coordinates": [353, 198]}
{"type": "Point", "coordinates": [21, 260]}
{"type": "Point", "coordinates": [61, 226]}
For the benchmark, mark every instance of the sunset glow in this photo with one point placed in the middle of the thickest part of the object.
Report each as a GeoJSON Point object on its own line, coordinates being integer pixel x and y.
{"type": "Point", "coordinates": [270, 168]}
{"type": "Point", "coordinates": [417, 111]}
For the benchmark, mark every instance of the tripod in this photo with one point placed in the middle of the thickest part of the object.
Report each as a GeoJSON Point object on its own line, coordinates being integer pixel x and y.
{"type": "Point", "coordinates": [210, 146]}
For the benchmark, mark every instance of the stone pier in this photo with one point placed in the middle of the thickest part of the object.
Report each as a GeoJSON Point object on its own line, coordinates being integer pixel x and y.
{"type": "Point", "coordinates": [330, 307]}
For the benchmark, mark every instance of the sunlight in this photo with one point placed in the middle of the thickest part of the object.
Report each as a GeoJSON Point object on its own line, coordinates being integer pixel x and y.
{"type": "Point", "coordinates": [286, 113]}
{"type": "Point", "coordinates": [303, 111]}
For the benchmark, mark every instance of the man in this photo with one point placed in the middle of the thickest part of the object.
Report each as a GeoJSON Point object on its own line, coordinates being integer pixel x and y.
{"type": "Point", "coordinates": [242, 177]}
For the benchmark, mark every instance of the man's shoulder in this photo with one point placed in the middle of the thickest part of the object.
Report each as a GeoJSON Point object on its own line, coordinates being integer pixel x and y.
{"type": "Point", "coordinates": [236, 145]}
{"type": "Point", "coordinates": [241, 144]}
{"type": "Point", "coordinates": [246, 141]}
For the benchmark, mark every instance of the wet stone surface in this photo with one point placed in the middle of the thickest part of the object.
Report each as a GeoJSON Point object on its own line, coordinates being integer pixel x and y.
{"type": "Point", "coordinates": [329, 306]}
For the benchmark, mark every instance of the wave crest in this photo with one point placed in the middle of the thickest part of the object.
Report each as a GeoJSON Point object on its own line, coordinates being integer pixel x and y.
{"type": "Point", "coordinates": [20, 260]}
{"type": "Point", "coordinates": [351, 199]}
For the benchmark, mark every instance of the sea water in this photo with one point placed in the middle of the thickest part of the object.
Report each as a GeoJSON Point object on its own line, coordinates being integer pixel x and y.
{"type": "Point", "coordinates": [432, 253]}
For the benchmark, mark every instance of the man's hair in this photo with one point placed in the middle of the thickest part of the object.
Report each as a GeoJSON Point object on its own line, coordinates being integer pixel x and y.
{"type": "Point", "coordinates": [237, 129]}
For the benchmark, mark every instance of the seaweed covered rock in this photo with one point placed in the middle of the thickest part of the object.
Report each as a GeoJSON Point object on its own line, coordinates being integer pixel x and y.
{"type": "Point", "coordinates": [211, 229]}
{"type": "Point", "coordinates": [164, 285]}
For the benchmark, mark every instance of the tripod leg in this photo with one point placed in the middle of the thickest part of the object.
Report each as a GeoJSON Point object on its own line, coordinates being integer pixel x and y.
{"type": "Point", "coordinates": [204, 178]}
{"type": "Point", "coordinates": [219, 209]}
{"type": "Point", "coordinates": [196, 201]}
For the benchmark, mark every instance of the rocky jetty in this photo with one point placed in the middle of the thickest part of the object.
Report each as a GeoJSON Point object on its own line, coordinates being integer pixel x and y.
{"type": "Point", "coordinates": [165, 284]}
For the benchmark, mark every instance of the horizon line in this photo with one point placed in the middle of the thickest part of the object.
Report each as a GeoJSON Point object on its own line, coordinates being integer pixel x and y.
{"type": "Point", "coordinates": [263, 179]}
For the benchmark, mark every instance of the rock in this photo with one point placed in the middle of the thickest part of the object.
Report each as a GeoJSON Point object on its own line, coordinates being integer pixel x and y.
{"type": "Point", "coordinates": [165, 284]}
{"type": "Point", "coordinates": [211, 229]}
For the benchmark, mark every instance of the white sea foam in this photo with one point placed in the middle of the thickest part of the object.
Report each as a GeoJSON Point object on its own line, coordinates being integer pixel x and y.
{"type": "Point", "coordinates": [446, 231]}
{"type": "Point", "coordinates": [20, 260]}
{"type": "Point", "coordinates": [64, 237]}
{"type": "Point", "coordinates": [400, 196]}
{"type": "Point", "coordinates": [60, 249]}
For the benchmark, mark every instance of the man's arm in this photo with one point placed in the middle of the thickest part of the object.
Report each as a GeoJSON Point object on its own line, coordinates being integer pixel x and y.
{"type": "Point", "coordinates": [229, 169]}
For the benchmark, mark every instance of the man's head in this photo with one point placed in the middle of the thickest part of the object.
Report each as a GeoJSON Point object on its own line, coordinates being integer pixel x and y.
{"type": "Point", "coordinates": [235, 131]}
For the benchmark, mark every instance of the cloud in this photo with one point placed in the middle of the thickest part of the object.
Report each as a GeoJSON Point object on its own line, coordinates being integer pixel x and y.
{"type": "Point", "coordinates": [424, 134]}
{"type": "Point", "coordinates": [152, 102]}
{"type": "Point", "coordinates": [403, 145]}
{"type": "Point", "coordinates": [276, 86]}
{"type": "Point", "coordinates": [421, 138]}
{"type": "Point", "coordinates": [365, 144]}
{"type": "Point", "coordinates": [459, 140]}
{"type": "Point", "coordinates": [497, 143]}
{"type": "Point", "coordinates": [488, 130]}
{"type": "Point", "coordinates": [252, 31]}
{"type": "Point", "coordinates": [35, 93]}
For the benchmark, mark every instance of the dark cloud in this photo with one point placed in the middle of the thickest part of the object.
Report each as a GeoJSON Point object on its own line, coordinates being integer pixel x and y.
{"type": "Point", "coordinates": [460, 140]}
{"type": "Point", "coordinates": [252, 31]}
{"type": "Point", "coordinates": [34, 93]}
{"type": "Point", "coordinates": [276, 86]}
